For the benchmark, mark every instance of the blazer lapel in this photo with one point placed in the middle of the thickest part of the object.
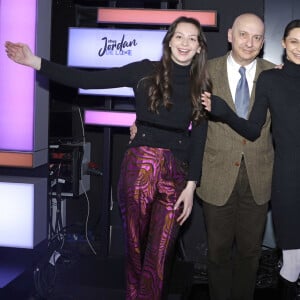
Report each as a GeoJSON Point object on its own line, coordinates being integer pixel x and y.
{"type": "Point", "coordinates": [221, 77]}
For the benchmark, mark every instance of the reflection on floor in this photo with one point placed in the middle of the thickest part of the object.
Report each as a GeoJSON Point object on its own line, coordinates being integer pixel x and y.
{"type": "Point", "coordinates": [78, 274]}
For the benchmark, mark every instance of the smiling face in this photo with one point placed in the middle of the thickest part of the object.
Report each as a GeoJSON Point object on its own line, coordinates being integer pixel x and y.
{"type": "Point", "coordinates": [291, 43]}
{"type": "Point", "coordinates": [246, 37]}
{"type": "Point", "coordinates": [184, 43]}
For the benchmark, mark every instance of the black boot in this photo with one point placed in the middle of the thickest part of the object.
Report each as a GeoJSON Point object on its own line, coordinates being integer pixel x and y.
{"type": "Point", "coordinates": [287, 289]}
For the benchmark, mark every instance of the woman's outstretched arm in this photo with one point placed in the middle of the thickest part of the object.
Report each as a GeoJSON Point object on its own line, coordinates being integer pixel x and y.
{"type": "Point", "coordinates": [124, 76]}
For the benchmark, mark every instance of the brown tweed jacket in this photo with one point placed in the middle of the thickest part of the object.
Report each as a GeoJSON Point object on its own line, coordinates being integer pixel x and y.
{"type": "Point", "coordinates": [224, 147]}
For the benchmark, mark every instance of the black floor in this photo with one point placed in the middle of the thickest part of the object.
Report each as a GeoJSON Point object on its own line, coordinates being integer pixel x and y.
{"type": "Point", "coordinates": [78, 274]}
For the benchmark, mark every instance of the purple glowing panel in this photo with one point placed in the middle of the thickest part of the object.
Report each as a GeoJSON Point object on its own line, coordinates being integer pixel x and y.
{"type": "Point", "coordinates": [109, 118]}
{"type": "Point", "coordinates": [121, 92]}
{"type": "Point", "coordinates": [17, 23]}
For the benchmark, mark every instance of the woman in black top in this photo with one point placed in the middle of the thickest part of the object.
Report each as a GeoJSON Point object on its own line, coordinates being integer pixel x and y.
{"type": "Point", "coordinates": [155, 187]}
{"type": "Point", "coordinates": [278, 91]}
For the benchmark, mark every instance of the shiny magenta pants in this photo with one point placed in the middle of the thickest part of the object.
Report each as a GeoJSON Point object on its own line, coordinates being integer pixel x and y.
{"type": "Point", "coordinates": [151, 181]}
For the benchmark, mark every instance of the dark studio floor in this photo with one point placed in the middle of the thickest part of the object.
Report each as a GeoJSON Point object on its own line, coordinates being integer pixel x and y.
{"type": "Point", "coordinates": [80, 274]}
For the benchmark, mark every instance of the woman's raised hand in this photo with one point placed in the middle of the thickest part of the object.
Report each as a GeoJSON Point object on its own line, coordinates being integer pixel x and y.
{"type": "Point", "coordinates": [21, 54]}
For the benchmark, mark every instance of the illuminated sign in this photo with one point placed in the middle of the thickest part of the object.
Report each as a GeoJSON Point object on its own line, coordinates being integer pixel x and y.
{"type": "Point", "coordinates": [121, 92]}
{"type": "Point", "coordinates": [154, 16]}
{"type": "Point", "coordinates": [107, 48]}
{"type": "Point", "coordinates": [109, 118]}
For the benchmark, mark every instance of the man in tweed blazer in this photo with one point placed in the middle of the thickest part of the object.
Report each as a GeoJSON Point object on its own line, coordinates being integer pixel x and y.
{"type": "Point", "coordinates": [236, 176]}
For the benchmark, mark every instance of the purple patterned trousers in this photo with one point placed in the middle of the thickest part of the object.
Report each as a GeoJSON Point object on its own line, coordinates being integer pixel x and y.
{"type": "Point", "coordinates": [151, 181]}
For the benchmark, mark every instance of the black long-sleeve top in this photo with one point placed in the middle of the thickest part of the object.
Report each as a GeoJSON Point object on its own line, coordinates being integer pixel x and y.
{"type": "Point", "coordinates": [172, 130]}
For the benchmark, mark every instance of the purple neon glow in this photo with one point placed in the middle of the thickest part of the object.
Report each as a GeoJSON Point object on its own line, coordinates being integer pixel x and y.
{"type": "Point", "coordinates": [109, 118]}
{"type": "Point", "coordinates": [17, 24]}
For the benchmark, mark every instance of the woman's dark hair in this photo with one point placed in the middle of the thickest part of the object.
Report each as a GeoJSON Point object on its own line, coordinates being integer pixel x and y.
{"type": "Point", "coordinates": [161, 86]}
{"type": "Point", "coordinates": [290, 26]}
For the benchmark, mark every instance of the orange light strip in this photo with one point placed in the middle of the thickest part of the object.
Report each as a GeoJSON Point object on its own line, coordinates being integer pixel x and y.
{"type": "Point", "coordinates": [16, 159]}
{"type": "Point", "coordinates": [154, 16]}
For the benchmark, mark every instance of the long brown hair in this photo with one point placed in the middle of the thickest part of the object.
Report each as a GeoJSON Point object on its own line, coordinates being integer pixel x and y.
{"type": "Point", "coordinates": [161, 86]}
